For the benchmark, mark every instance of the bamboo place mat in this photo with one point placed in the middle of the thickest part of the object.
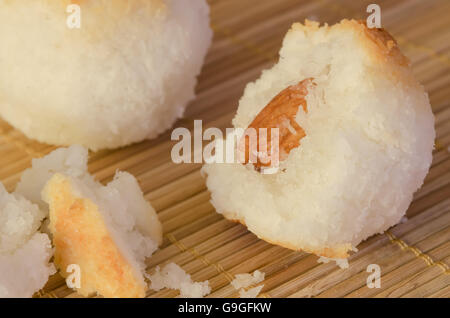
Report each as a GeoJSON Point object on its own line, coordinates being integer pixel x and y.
{"type": "Point", "coordinates": [413, 256]}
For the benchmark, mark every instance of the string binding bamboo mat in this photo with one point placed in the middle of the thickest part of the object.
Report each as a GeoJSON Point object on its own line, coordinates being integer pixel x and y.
{"type": "Point", "coordinates": [414, 256]}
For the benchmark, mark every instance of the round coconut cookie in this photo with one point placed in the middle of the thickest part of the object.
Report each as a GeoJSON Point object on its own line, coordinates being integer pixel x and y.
{"type": "Point", "coordinates": [356, 135]}
{"type": "Point", "coordinates": [126, 74]}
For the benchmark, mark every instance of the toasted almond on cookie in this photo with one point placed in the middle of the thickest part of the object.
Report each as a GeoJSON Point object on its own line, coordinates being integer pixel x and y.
{"type": "Point", "coordinates": [280, 114]}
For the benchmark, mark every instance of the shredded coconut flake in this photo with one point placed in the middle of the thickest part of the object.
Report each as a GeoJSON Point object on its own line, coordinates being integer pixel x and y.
{"type": "Point", "coordinates": [242, 281]}
{"type": "Point", "coordinates": [341, 262]}
{"type": "Point", "coordinates": [245, 280]}
{"type": "Point", "coordinates": [174, 277]}
{"type": "Point", "coordinates": [251, 293]}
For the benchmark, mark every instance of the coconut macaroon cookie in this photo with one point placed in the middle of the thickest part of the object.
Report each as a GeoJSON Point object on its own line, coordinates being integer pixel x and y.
{"type": "Point", "coordinates": [24, 252]}
{"type": "Point", "coordinates": [73, 162]}
{"type": "Point", "coordinates": [125, 75]}
{"type": "Point", "coordinates": [356, 134]}
{"type": "Point", "coordinates": [107, 231]}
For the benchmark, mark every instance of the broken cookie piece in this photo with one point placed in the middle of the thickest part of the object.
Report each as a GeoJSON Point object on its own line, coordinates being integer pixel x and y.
{"type": "Point", "coordinates": [107, 231]}
{"type": "Point", "coordinates": [24, 252]}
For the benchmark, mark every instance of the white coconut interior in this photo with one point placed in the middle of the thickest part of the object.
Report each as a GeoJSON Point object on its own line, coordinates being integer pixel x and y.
{"type": "Point", "coordinates": [24, 253]}
{"type": "Point", "coordinates": [130, 219]}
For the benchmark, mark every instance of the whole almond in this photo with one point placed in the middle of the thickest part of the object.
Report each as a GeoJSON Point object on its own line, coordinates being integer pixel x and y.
{"type": "Point", "coordinates": [279, 113]}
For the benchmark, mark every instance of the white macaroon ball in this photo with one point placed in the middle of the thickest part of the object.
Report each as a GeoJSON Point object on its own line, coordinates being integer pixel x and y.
{"type": "Point", "coordinates": [368, 145]}
{"type": "Point", "coordinates": [125, 75]}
